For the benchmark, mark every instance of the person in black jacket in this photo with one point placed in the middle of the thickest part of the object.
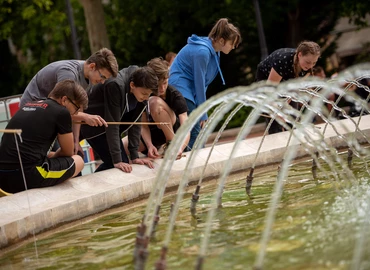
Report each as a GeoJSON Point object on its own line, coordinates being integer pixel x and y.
{"type": "Point", "coordinates": [120, 99]}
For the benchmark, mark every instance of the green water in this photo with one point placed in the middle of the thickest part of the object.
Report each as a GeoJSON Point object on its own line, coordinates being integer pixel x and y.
{"type": "Point", "coordinates": [316, 227]}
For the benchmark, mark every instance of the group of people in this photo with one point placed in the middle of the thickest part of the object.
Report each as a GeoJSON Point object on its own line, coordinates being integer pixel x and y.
{"type": "Point", "coordinates": [71, 100]}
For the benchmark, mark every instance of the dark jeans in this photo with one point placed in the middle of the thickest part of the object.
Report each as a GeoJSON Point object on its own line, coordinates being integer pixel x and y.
{"type": "Point", "coordinates": [196, 129]}
{"type": "Point", "coordinates": [101, 147]}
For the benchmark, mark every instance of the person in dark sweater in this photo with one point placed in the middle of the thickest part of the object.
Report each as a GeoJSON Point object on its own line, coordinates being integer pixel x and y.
{"type": "Point", "coordinates": [288, 63]}
{"type": "Point", "coordinates": [120, 99]}
{"type": "Point", "coordinates": [42, 168]}
{"type": "Point", "coordinates": [168, 107]}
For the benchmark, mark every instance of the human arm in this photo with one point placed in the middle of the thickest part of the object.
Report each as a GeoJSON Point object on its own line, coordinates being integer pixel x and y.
{"type": "Point", "coordinates": [90, 119]}
{"type": "Point", "coordinates": [200, 63]}
{"type": "Point", "coordinates": [113, 110]}
{"type": "Point", "coordinates": [76, 138]}
{"type": "Point", "coordinates": [274, 77]}
{"type": "Point", "coordinates": [66, 148]}
{"type": "Point", "coordinates": [182, 118]}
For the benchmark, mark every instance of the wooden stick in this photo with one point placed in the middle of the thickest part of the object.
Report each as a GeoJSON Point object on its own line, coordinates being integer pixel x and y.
{"type": "Point", "coordinates": [265, 115]}
{"type": "Point", "coordinates": [128, 123]}
{"type": "Point", "coordinates": [10, 130]}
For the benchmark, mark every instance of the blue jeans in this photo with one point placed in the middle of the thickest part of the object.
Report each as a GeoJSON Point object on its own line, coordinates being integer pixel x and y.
{"type": "Point", "coordinates": [196, 129]}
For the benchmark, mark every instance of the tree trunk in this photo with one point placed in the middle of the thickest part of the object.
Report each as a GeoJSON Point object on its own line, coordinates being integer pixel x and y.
{"type": "Point", "coordinates": [294, 28]}
{"type": "Point", "coordinates": [95, 24]}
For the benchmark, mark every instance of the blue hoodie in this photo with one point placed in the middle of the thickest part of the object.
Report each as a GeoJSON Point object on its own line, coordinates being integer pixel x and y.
{"type": "Point", "coordinates": [194, 68]}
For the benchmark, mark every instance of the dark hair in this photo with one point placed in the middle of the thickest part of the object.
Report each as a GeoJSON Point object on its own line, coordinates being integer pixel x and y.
{"type": "Point", "coordinates": [104, 58]}
{"type": "Point", "coordinates": [145, 77]}
{"type": "Point", "coordinates": [227, 31]}
{"type": "Point", "coordinates": [318, 69]}
{"type": "Point", "coordinates": [305, 47]}
{"type": "Point", "coordinates": [71, 89]}
{"type": "Point", "coordinates": [160, 67]}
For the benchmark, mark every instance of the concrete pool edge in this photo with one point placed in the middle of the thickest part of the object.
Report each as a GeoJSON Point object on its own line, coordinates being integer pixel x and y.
{"type": "Point", "coordinates": [39, 210]}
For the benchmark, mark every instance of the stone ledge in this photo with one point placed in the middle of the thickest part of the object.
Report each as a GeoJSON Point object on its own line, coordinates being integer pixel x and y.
{"type": "Point", "coordinates": [39, 210]}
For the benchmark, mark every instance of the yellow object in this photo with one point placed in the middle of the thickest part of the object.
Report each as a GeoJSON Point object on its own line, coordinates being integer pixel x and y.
{"type": "Point", "coordinates": [4, 193]}
{"type": "Point", "coordinates": [45, 174]}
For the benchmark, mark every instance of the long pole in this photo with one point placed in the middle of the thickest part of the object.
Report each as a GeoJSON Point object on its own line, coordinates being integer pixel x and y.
{"type": "Point", "coordinates": [261, 34]}
{"type": "Point", "coordinates": [11, 131]}
{"type": "Point", "coordinates": [76, 48]}
{"type": "Point", "coordinates": [129, 123]}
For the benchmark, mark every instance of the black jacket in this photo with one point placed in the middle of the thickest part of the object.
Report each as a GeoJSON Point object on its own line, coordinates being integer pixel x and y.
{"type": "Point", "coordinates": [112, 100]}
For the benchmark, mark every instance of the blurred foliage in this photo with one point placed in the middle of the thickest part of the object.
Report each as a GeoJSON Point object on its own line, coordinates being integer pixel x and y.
{"type": "Point", "coordinates": [140, 30]}
{"type": "Point", "coordinates": [39, 32]}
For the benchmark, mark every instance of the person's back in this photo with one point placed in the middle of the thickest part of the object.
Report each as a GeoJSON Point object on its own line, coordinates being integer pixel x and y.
{"type": "Point", "coordinates": [42, 168]}
{"type": "Point", "coordinates": [196, 63]}
{"type": "Point", "coordinates": [35, 140]}
{"type": "Point", "coordinates": [282, 61]}
{"type": "Point", "coordinates": [45, 80]}
{"type": "Point", "coordinates": [96, 69]}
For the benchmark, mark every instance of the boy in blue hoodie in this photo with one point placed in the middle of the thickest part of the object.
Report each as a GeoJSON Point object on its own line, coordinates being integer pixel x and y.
{"type": "Point", "coordinates": [197, 64]}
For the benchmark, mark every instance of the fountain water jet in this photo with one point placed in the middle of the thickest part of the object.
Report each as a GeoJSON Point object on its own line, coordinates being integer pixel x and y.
{"type": "Point", "coordinates": [302, 137]}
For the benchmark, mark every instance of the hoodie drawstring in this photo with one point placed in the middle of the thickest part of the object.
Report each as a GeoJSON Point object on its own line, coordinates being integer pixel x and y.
{"type": "Point", "coordinates": [219, 69]}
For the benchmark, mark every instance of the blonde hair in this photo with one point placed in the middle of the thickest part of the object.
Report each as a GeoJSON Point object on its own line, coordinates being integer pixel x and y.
{"type": "Point", "coordinates": [160, 67]}
{"type": "Point", "coordinates": [227, 31]}
{"type": "Point", "coordinates": [305, 47]}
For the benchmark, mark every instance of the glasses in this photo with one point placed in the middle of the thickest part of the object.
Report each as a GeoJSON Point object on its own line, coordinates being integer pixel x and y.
{"type": "Point", "coordinates": [74, 104]}
{"type": "Point", "coordinates": [101, 75]}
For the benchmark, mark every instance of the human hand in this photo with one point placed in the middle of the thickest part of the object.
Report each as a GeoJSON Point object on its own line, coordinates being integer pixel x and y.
{"type": "Point", "coordinates": [180, 155]}
{"type": "Point", "coordinates": [78, 148]}
{"type": "Point", "coordinates": [143, 161]}
{"type": "Point", "coordinates": [153, 152]}
{"type": "Point", "coordinates": [123, 167]}
{"type": "Point", "coordinates": [94, 120]}
{"type": "Point", "coordinates": [50, 154]}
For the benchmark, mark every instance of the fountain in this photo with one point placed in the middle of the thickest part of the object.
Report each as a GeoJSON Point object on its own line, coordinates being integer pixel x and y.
{"type": "Point", "coordinates": [95, 193]}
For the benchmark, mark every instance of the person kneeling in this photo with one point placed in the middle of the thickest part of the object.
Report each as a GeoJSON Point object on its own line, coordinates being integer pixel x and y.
{"type": "Point", "coordinates": [42, 122]}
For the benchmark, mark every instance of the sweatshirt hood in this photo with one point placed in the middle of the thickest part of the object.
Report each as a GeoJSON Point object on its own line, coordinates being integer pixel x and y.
{"type": "Point", "coordinates": [207, 42]}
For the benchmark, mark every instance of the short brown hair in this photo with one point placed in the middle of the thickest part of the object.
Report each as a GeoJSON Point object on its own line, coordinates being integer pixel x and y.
{"type": "Point", "coordinates": [145, 77]}
{"type": "Point", "coordinates": [168, 57]}
{"type": "Point", "coordinates": [160, 67]}
{"type": "Point", "coordinates": [318, 69]}
{"type": "Point", "coordinates": [104, 58]}
{"type": "Point", "coordinates": [71, 89]}
{"type": "Point", "coordinates": [227, 31]}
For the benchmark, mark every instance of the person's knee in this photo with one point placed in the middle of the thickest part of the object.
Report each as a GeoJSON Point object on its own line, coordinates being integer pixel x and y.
{"type": "Point", "coordinates": [154, 102]}
{"type": "Point", "coordinates": [79, 164]}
